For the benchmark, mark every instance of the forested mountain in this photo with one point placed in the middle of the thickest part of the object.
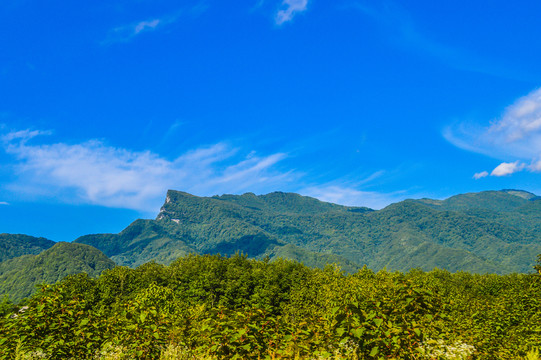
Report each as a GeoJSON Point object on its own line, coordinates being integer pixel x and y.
{"type": "Point", "coordinates": [492, 231]}
{"type": "Point", "coordinates": [18, 276]}
{"type": "Point", "coordinates": [13, 245]}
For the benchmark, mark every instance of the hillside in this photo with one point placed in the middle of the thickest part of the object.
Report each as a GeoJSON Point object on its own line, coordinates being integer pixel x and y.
{"type": "Point", "coordinates": [492, 231]}
{"type": "Point", "coordinates": [18, 276]}
{"type": "Point", "coordinates": [215, 307]}
{"type": "Point", "coordinates": [14, 245]}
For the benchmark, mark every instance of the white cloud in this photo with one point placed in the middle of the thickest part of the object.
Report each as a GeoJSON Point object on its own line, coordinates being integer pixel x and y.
{"type": "Point", "coordinates": [96, 173]}
{"type": "Point", "coordinates": [480, 175]}
{"type": "Point", "coordinates": [4, 203]}
{"type": "Point", "coordinates": [515, 137]}
{"type": "Point", "coordinates": [505, 169]}
{"type": "Point", "coordinates": [93, 172]}
{"type": "Point", "coordinates": [292, 7]}
{"type": "Point", "coordinates": [352, 197]}
{"type": "Point", "coordinates": [520, 120]}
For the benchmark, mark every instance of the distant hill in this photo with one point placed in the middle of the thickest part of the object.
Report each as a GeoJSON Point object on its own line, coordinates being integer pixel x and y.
{"type": "Point", "coordinates": [491, 231]}
{"type": "Point", "coordinates": [500, 201]}
{"type": "Point", "coordinates": [18, 276]}
{"type": "Point", "coordinates": [14, 245]}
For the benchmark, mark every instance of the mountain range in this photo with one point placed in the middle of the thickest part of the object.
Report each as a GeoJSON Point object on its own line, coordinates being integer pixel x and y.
{"type": "Point", "coordinates": [491, 231]}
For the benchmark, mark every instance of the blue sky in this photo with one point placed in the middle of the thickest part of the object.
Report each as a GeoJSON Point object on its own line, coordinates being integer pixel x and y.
{"type": "Point", "coordinates": [104, 105]}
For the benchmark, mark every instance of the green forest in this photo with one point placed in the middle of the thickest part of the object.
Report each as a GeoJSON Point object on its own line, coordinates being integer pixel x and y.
{"type": "Point", "coordinates": [487, 232]}
{"type": "Point", "coordinates": [217, 307]}
{"type": "Point", "coordinates": [20, 275]}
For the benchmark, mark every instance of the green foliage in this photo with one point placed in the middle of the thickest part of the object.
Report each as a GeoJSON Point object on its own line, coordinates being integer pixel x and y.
{"type": "Point", "coordinates": [537, 266]}
{"type": "Point", "coordinates": [492, 231]}
{"type": "Point", "coordinates": [214, 307]}
{"type": "Point", "coordinates": [6, 306]}
{"type": "Point", "coordinates": [19, 276]}
{"type": "Point", "coordinates": [15, 245]}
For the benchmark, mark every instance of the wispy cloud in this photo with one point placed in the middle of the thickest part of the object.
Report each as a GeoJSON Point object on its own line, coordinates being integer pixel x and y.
{"type": "Point", "coordinates": [23, 135]}
{"type": "Point", "coordinates": [93, 172]}
{"type": "Point", "coordinates": [289, 9]}
{"type": "Point", "coordinates": [4, 203]}
{"type": "Point", "coordinates": [146, 25]}
{"type": "Point", "coordinates": [127, 32]}
{"type": "Point", "coordinates": [480, 175]}
{"type": "Point", "coordinates": [515, 136]}
{"type": "Point", "coordinates": [535, 166]}
{"type": "Point", "coordinates": [96, 173]}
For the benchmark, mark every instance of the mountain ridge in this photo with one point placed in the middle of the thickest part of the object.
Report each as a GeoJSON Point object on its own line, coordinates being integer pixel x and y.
{"type": "Point", "coordinates": [472, 232]}
{"type": "Point", "coordinates": [15, 245]}
{"type": "Point", "coordinates": [490, 231]}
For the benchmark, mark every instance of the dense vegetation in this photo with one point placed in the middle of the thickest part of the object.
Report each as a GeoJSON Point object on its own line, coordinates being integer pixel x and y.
{"type": "Point", "coordinates": [15, 245]}
{"type": "Point", "coordinates": [492, 231]}
{"type": "Point", "coordinates": [20, 275]}
{"type": "Point", "coordinates": [209, 307]}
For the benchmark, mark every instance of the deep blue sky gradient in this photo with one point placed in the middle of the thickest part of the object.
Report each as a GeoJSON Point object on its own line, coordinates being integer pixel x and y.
{"type": "Point", "coordinates": [358, 102]}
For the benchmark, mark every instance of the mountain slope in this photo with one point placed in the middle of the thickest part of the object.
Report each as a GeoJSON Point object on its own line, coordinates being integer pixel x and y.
{"type": "Point", "coordinates": [14, 245]}
{"type": "Point", "coordinates": [493, 231]}
{"type": "Point", "coordinates": [504, 201]}
{"type": "Point", "coordinates": [18, 276]}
